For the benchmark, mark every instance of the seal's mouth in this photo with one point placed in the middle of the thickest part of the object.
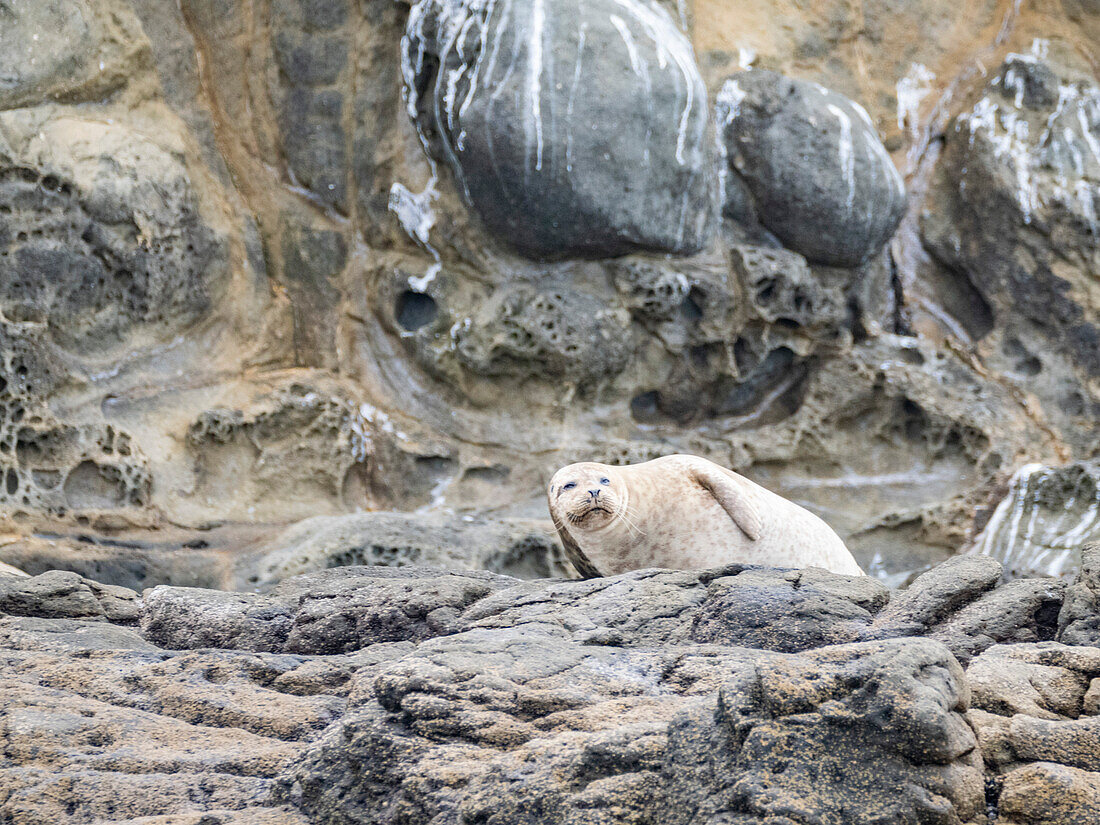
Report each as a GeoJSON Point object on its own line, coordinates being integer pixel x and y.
{"type": "Point", "coordinates": [579, 517]}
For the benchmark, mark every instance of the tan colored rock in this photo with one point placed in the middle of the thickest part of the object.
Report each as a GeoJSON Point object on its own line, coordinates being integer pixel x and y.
{"type": "Point", "coordinates": [1046, 794]}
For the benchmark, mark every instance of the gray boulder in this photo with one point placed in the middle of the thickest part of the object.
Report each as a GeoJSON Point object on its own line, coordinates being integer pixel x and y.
{"type": "Point", "coordinates": [808, 164]}
{"type": "Point", "coordinates": [575, 129]}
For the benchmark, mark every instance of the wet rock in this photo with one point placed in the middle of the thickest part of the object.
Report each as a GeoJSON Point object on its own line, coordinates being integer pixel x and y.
{"type": "Point", "coordinates": [1020, 611]}
{"type": "Point", "coordinates": [1047, 516]}
{"type": "Point", "coordinates": [788, 611]}
{"type": "Point", "coordinates": [557, 729]}
{"type": "Point", "coordinates": [188, 617]}
{"type": "Point", "coordinates": [525, 549]}
{"type": "Point", "coordinates": [1079, 621]}
{"type": "Point", "coordinates": [335, 611]}
{"type": "Point", "coordinates": [842, 200]}
{"type": "Point", "coordinates": [574, 129]}
{"type": "Point", "coordinates": [936, 595]}
{"type": "Point", "coordinates": [45, 635]}
{"type": "Point", "coordinates": [960, 604]}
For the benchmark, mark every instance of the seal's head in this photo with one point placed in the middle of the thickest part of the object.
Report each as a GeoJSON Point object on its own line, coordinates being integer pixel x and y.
{"type": "Point", "coordinates": [586, 496]}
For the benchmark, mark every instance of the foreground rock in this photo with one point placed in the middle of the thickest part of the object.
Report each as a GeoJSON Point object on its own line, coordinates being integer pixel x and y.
{"type": "Point", "coordinates": [371, 695]}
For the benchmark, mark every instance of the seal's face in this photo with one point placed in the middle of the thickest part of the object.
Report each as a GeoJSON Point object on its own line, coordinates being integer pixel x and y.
{"type": "Point", "coordinates": [586, 496]}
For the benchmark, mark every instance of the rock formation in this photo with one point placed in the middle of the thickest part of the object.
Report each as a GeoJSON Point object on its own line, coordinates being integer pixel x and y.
{"type": "Point", "coordinates": [373, 694]}
{"type": "Point", "coordinates": [318, 258]}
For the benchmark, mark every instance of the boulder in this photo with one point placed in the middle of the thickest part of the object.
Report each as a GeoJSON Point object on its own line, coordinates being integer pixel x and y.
{"type": "Point", "coordinates": [574, 129]}
{"type": "Point", "coordinates": [1046, 794]}
{"type": "Point", "coordinates": [807, 163]}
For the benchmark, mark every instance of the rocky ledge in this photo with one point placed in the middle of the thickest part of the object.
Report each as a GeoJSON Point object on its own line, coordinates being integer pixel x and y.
{"type": "Point", "coordinates": [382, 695]}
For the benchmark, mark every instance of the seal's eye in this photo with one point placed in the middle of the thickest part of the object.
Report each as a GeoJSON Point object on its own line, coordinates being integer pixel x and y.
{"type": "Point", "coordinates": [605, 481]}
{"type": "Point", "coordinates": [570, 485]}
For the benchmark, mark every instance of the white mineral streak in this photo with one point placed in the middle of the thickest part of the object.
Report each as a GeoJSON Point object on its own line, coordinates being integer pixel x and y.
{"type": "Point", "coordinates": [671, 46]}
{"type": "Point", "coordinates": [846, 154]}
{"type": "Point", "coordinates": [414, 211]}
{"type": "Point", "coordinates": [1049, 167]}
{"type": "Point", "coordinates": [1027, 537]}
{"type": "Point", "coordinates": [911, 91]}
{"type": "Point", "coordinates": [1008, 135]}
{"type": "Point", "coordinates": [569, 125]}
{"type": "Point", "coordinates": [746, 56]}
{"type": "Point", "coordinates": [534, 76]}
{"type": "Point", "coordinates": [727, 109]}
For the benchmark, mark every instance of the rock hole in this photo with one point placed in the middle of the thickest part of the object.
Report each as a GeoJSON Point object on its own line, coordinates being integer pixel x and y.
{"type": "Point", "coordinates": [89, 487]}
{"type": "Point", "coordinates": [645, 408]}
{"type": "Point", "coordinates": [415, 310]}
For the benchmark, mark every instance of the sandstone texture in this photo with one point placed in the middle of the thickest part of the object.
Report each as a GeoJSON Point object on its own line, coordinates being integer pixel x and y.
{"type": "Point", "coordinates": [380, 695]}
{"type": "Point", "coordinates": [317, 258]}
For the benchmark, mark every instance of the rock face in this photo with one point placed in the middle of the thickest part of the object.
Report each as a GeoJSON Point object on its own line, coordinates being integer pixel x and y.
{"type": "Point", "coordinates": [573, 128]}
{"type": "Point", "coordinates": [1048, 515]}
{"type": "Point", "coordinates": [1016, 195]}
{"type": "Point", "coordinates": [376, 695]}
{"type": "Point", "coordinates": [817, 175]}
{"type": "Point", "coordinates": [263, 263]}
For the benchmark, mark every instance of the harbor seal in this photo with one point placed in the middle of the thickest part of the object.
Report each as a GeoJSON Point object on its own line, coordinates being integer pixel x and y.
{"type": "Point", "coordinates": [683, 512]}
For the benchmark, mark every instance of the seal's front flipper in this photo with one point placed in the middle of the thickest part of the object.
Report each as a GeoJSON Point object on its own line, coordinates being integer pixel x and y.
{"type": "Point", "coordinates": [573, 551]}
{"type": "Point", "coordinates": [736, 498]}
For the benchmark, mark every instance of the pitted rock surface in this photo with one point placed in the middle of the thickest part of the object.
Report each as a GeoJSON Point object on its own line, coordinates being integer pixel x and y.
{"type": "Point", "coordinates": [356, 695]}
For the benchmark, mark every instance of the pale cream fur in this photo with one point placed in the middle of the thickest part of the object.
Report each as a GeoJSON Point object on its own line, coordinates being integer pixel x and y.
{"type": "Point", "coordinates": [685, 513]}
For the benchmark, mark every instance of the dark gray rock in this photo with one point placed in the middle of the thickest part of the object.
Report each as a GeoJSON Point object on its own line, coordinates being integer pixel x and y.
{"type": "Point", "coordinates": [813, 165]}
{"type": "Point", "coordinates": [574, 128]}
{"type": "Point", "coordinates": [788, 611]}
{"type": "Point", "coordinates": [525, 726]}
{"type": "Point", "coordinates": [1014, 197]}
{"type": "Point", "coordinates": [105, 236]}
{"type": "Point", "coordinates": [1043, 521]}
{"type": "Point", "coordinates": [189, 617]}
{"type": "Point", "coordinates": [935, 595]}
{"type": "Point", "coordinates": [1019, 611]}
{"type": "Point", "coordinates": [66, 635]}
{"type": "Point", "coordinates": [1079, 621]}
{"type": "Point", "coordinates": [335, 611]}
{"type": "Point", "coordinates": [350, 612]}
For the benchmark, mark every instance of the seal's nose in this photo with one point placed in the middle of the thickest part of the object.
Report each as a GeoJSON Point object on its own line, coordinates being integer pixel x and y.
{"type": "Point", "coordinates": [594, 494]}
